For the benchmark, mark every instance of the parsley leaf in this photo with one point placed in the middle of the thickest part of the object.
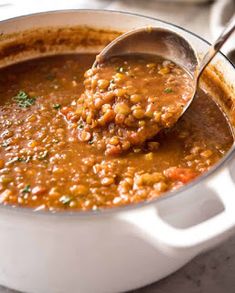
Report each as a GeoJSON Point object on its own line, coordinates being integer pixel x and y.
{"type": "Point", "coordinates": [56, 106]}
{"type": "Point", "coordinates": [168, 90]}
{"type": "Point", "coordinates": [80, 126]}
{"type": "Point", "coordinates": [25, 159]}
{"type": "Point", "coordinates": [24, 100]}
{"type": "Point", "coordinates": [27, 189]}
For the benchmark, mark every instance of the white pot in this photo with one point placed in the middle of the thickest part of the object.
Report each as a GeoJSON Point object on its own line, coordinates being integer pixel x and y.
{"type": "Point", "coordinates": [118, 249]}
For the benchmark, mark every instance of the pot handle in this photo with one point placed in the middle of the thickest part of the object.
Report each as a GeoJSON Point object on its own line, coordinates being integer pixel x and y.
{"type": "Point", "coordinates": [201, 235]}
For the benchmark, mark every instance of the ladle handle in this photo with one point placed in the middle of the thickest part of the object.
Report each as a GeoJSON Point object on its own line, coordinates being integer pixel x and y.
{"type": "Point", "coordinates": [215, 47]}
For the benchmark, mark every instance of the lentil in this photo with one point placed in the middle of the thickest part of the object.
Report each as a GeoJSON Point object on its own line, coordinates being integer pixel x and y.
{"type": "Point", "coordinates": [133, 81]}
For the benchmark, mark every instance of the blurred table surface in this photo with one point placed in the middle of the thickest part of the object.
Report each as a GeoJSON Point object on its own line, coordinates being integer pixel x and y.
{"type": "Point", "coordinates": [211, 272]}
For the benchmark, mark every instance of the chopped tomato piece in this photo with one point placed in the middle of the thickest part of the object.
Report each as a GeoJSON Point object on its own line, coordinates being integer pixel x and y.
{"type": "Point", "coordinates": [180, 174]}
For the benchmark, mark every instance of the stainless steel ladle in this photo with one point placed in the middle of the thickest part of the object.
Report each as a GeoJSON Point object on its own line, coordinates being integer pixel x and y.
{"type": "Point", "coordinates": [167, 44]}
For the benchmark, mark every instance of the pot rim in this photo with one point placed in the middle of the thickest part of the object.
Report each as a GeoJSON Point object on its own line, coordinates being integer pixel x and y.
{"type": "Point", "coordinates": [109, 211]}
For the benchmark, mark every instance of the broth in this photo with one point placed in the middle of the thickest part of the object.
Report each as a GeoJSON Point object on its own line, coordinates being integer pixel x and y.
{"type": "Point", "coordinates": [44, 166]}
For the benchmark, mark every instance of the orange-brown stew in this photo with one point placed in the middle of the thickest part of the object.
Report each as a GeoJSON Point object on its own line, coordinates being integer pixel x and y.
{"type": "Point", "coordinates": [44, 166]}
{"type": "Point", "coordinates": [128, 100]}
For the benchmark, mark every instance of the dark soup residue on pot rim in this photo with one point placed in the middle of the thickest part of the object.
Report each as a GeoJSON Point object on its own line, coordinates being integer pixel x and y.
{"type": "Point", "coordinates": [54, 157]}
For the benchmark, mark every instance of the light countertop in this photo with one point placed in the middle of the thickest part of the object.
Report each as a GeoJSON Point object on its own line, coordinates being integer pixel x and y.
{"type": "Point", "coordinates": [214, 271]}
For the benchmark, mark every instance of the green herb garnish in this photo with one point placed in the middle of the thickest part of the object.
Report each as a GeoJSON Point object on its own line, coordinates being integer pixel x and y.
{"type": "Point", "coordinates": [80, 126]}
{"type": "Point", "coordinates": [57, 106]}
{"type": "Point", "coordinates": [65, 199]}
{"type": "Point", "coordinates": [27, 189]}
{"type": "Point", "coordinates": [20, 159]}
{"type": "Point", "coordinates": [26, 159]}
{"type": "Point", "coordinates": [168, 90]}
{"type": "Point", "coordinates": [24, 100]}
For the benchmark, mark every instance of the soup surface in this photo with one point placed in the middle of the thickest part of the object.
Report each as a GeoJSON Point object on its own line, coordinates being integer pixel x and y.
{"type": "Point", "coordinates": [128, 100]}
{"type": "Point", "coordinates": [43, 165]}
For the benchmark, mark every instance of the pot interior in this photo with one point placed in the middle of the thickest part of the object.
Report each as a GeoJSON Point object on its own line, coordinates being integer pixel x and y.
{"type": "Point", "coordinates": [65, 33]}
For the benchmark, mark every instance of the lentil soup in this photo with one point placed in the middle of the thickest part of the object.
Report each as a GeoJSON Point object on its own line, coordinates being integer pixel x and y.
{"type": "Point", "coordinates": [128, 100]}
{"type": "Point", "coordinates": [44, 165]}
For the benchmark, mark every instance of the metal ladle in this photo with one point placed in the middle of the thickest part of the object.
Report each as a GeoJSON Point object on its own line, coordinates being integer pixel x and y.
{"type": "Point", "coordinates": [167, 44]}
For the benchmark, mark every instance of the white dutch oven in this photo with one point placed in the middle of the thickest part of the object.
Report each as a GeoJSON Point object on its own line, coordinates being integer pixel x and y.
{"type": "Point", "coordinates": [118, 249]}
